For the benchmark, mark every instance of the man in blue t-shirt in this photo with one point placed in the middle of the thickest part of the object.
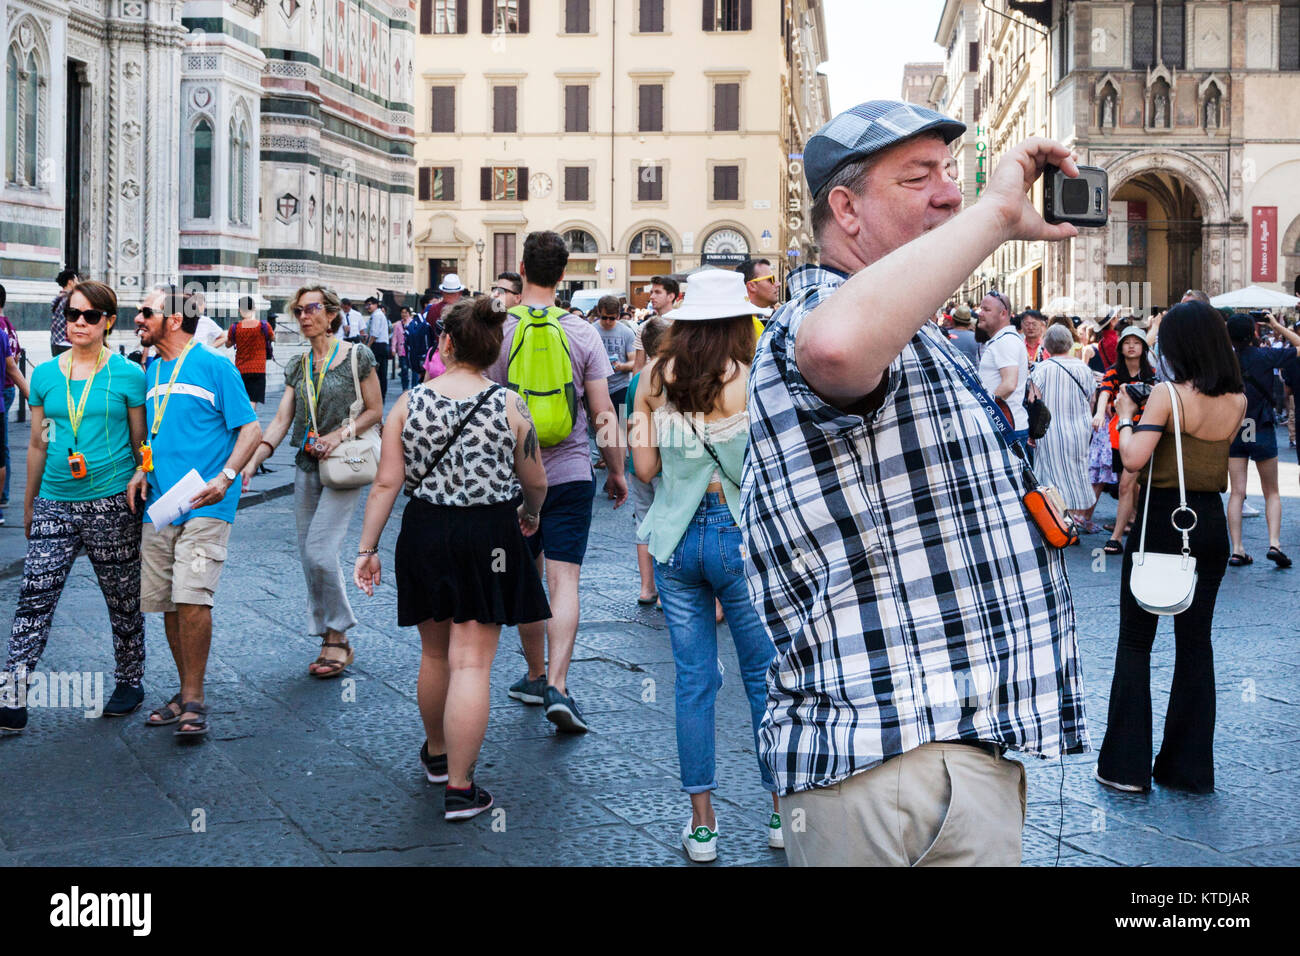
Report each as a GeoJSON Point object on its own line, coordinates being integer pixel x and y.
{"type": "Point", "coordinates": [198, 417]}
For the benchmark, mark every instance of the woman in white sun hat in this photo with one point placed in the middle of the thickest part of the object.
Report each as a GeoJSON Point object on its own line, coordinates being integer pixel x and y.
{"type": "Point", "coordinates": [690, 420]}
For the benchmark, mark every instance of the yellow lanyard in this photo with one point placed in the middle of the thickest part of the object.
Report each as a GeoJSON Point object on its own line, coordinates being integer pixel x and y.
{"type": "Point", "coordinates": [77, 412]}
{"type": "Point", "coordinates": [160, 411]}
{"type": "Point", "coordinates": [314, 386]}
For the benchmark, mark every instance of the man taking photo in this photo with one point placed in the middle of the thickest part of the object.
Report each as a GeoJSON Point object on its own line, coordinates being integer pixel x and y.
{"type": "Point", "coordinates": [922, 625]}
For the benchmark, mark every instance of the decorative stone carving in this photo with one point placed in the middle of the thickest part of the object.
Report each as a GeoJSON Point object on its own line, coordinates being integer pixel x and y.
{"type": "Point", "coordinates": [130, 249]}
{"type": "Point", "coordinates": [1209, 37]}
{"type": "Point", "coordinates": [1260, 45]}
{"type": "Point", "coordinates": [130, 189]}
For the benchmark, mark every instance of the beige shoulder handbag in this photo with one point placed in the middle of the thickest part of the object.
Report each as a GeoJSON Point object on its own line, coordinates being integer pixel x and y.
{"type": "Point", "coordinates": [355, 462]}
{"type": "Point", "coordinates": [1165, 584]}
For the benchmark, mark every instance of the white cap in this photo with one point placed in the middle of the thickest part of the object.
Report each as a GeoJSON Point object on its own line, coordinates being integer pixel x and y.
{"type": "Point", "coordinates": [715, 294]}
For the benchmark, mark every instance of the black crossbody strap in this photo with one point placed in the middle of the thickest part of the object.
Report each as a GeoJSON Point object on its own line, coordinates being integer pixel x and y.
{"type": "Point", "coordinates": [709, 449]}
{"type": "Point", "coordinates": [437, 459]}
{"type": "Point", "coordinates": [1086, 397]}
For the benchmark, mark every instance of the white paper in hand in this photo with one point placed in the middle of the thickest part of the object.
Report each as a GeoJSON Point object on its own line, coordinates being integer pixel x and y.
{"type": "Point", "coordinates": [175, 501]}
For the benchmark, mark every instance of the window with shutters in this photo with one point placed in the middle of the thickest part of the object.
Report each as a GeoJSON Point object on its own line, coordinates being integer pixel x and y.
{"type": "Point", "coordinates": [650, 111]}
{"type": "Point", "coordinates": [443, 112]}
{"type": "Point", "coordinates": [505, 16]}
{"type": "Point", "coordinates": [1289, 36]}
{"type": "Point", "coordinates": [577, 108]}
{"type": "Point", "coordinates": [728, 15]}
{"type": "Point", "coordinates": [650, 184]}
{"type": "Point", "coordinates": [504, 109]}
{"type": "Point", "coordinates": [651, 16]}
{"type": "Point", "coordinates": [726, 107]}
{"type": "Point", "coordinates": [577, 184]}
{"type": "Point", "coordinates": [577, 16]}
{"type": "Point", "coordinates": [726, 183]}
{"type": "Point", "coordinates": [437, 184]}
{"type": "Point", "coordinates": [1144, 36]}
{"type": "Point", "coordinates": [444, 16]}
{"type": "Point", "coordinates": [1172, 34]}
{"type": "Point", "coordinates": [973, 57]}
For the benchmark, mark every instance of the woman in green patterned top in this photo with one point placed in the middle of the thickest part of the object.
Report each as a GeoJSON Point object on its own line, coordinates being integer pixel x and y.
{"type": "Point", "coordinates": [322, 377]}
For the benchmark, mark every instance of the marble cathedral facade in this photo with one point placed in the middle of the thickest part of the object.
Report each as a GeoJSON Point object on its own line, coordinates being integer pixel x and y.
{"type": "Point", "coordinates": [246, 146]}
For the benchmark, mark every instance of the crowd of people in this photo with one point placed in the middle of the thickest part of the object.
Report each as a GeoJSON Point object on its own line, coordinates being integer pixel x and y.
{"type": "Point", "coordinates": [857, 515]}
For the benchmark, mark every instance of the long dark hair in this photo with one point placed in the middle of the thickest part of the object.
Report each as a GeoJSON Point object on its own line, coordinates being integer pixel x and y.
{"type": "Point", "coordinates": [700, 353]}
{"type": "Point", "coordinates": [1145, 372]}
{"type": "Point", "coordinates": [1194, 344]}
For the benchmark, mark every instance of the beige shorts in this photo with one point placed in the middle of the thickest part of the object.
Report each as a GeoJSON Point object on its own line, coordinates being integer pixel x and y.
{"type": "Point", "coordinates": [181, 564]}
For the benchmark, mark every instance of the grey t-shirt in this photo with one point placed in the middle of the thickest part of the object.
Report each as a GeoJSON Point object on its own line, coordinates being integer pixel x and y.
{"type": "Point", "coordinates": [619, 343]}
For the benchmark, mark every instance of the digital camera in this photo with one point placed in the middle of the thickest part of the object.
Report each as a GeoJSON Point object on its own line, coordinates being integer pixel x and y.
{"type": "Point", "coordinates": [1083, 201]}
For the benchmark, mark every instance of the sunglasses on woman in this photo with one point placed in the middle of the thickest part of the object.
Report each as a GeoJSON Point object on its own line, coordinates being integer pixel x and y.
{"type": "Point", "coordinates": [311, 308]}
{"type": "Point", "coordinates": [92, 316]}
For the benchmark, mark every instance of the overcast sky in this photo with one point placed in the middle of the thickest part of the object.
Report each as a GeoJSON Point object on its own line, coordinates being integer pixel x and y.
{"type": "Point", "coordinates": [870, 40]}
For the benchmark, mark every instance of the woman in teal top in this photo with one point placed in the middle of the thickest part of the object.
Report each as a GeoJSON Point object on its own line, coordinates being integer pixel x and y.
{"type": "Point", "coordinates": [87, 420]}
{"type": "Point", "coordinates": [691, 421]}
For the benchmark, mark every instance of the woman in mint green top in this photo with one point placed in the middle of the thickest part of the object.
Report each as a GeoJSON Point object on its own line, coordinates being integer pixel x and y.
{"type": "Point", "coordinates": [87, 417]}
{"type": "Point", "coordinates": [691, 421]}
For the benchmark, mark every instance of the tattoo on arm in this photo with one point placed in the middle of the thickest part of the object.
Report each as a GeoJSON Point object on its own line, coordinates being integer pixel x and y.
{"type": "Point", "coordinates": [522, 407]}
{"type": "Point", "coordinates": [531, 444]}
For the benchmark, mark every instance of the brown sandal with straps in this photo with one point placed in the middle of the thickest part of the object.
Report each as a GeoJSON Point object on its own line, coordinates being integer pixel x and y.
{"type": "Point", "coordinates": [335, 668]}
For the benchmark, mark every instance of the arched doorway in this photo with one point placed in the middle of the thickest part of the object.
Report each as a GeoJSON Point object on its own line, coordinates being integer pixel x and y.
{"type": "Point", "coordinates": [725, 246]}
{"type": "Point", "coordinates": [1155, 237]}
{"type": "Point", "coordinates": [580, 273]}
{"type": "Point", "coordinates": [1291, 257]}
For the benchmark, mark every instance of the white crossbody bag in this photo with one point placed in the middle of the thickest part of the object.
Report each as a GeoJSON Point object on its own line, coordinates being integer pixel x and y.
{"type": "Point", "coordinates": [355, 462]}
{"type": "Point", "coordinates": [1165, 584]}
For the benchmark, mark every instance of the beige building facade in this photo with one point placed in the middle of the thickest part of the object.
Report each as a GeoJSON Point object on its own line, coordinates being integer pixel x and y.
{"type": "Point", "coordinates": [1192, 108]}
{"type": "Point", "coordinates": [656, 135]}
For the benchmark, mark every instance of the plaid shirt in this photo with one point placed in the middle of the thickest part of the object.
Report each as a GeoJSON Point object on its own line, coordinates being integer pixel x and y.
{"type": "Point", "coordinates": [58, 321]}
{"type": "Point", "coordinates": [909, 596]}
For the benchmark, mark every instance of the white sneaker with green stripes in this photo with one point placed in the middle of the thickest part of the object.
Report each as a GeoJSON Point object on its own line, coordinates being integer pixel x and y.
{"type": "Point", "coordinates": [775, 839]}
{"type": "Point", "coordinates": [701, 843]}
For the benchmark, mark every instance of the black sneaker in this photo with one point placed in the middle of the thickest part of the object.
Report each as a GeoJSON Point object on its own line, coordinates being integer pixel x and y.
{"type": "Point", "coordinates": [13, 719]}
{"type": "Point", "coordinates": [435, 768]}
{"type": "Point", "coordinates": [463, 804]}
{"type": "Point", "coordinates": [529, 691]}
{"type": "Point", "coordinates": [563, 712]}
{"type": "Point", "coordinates": [126, 699]}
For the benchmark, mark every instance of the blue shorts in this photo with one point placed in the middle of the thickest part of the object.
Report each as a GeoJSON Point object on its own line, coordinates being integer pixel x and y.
{"type": "Point", "coordinates": [565, 522]}
{"type": "Point", "coordinates": [1263, 448]}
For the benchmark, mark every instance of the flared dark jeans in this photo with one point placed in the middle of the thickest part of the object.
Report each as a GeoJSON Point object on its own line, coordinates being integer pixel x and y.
{"type": "Point", "coordinates": [1186, 758]}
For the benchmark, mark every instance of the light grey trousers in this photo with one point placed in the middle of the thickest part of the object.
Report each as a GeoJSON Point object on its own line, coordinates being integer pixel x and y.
{"type": "Point", "coordinates": [323, 516]}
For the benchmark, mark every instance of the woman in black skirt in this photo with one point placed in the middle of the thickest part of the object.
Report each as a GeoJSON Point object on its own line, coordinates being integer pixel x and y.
{"type": "Point", "coordinates": [464, 449]}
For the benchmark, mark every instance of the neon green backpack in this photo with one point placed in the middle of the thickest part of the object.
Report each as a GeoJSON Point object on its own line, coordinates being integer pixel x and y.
{"type": "Point", "coordinates": [541, 370]}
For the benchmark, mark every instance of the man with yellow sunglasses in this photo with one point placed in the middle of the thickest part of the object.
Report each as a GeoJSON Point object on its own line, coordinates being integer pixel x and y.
{"type": "Point", "coordinates": [761, 286]}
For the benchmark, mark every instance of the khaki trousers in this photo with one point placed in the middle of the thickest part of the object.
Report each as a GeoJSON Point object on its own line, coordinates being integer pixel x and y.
{"type": "Point", "coordinates": [943, 804]}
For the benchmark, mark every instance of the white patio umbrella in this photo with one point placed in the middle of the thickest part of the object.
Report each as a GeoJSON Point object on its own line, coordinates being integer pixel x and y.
{"type": "Point", "coordinates": [1254, 297]}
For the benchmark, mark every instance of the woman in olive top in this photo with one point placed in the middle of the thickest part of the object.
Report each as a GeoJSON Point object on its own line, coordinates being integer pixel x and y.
{"type": "Point", "coordinates": [87, 420]}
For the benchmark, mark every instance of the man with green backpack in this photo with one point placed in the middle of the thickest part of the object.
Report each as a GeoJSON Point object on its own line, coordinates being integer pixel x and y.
{"type": "Point", "coordinates": [555, 361]}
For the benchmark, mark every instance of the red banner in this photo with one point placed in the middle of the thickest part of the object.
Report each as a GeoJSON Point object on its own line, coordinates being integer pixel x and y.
{"type": "Point", "coordinates": [1263, 243]}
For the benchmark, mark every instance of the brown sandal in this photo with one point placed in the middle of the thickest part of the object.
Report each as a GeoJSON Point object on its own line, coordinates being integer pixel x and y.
{"type": "Point", "coordinates": [335, 668]}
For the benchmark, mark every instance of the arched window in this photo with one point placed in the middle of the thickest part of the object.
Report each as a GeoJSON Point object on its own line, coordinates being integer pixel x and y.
{"type": "Point", "coordinates": [651, 242]}
{"type": "Point", "coordinates": [245, 165]}
{"type": "Point", "coordinates": [23, 88]}
{"type": "Point", "coordinates": [203, 170]}
{"type": "Point", "coordinates": [580, 242]}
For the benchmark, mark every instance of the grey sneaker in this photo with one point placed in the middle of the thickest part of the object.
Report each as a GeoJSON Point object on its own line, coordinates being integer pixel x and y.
{"type": "Point", "coordinates": [529, 691]}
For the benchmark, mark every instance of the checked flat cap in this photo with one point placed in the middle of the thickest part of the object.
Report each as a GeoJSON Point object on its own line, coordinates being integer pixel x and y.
{"type": "Point", "coordinates": [868, 128]}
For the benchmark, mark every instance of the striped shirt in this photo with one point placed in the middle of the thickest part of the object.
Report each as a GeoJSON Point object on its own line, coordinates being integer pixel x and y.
{"type": "Point", "coordinates": [909, 596]}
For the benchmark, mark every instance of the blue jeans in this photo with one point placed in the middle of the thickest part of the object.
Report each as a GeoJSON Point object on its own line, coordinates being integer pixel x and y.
{"type": "Point", "coordinates": [404, 371]}
{"type": "Point", "coordinates": [708, 562]}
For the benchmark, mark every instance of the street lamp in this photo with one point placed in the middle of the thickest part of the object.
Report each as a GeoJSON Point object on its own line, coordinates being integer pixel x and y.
{"type": "Point", "coordinates": [479, 246]}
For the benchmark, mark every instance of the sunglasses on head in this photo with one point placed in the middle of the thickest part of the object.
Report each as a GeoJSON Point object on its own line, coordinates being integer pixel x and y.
{"type": "Point", "coordinates": [1001, 298]}
{"type": "Point", "coordinates": [92, 316]}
